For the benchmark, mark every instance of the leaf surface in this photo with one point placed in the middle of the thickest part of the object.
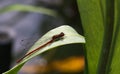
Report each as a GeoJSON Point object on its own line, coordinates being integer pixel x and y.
{"type": "Point", "coordinates": [70, 37]}
{"type": "Point", "coordinates": [92, 16]}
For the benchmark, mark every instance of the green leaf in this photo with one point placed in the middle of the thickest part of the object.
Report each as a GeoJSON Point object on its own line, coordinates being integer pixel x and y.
{"type": "Point", "coordinates": [108, 37]}
{"type": "Point", "coordinates": [92, 16]}
{"type": "Point", "coordinates": [28, 8]}
{"type": "Point", "coordinates": [70, 37]}
{"type": "Point", "coordinates": [108, 32]}
{"type": "Point", "coordinates": [114, 64]}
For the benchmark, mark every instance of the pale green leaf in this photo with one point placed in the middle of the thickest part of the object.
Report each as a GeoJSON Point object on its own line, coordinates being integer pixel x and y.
{"type": "Point", "coordinates": [71, 36]}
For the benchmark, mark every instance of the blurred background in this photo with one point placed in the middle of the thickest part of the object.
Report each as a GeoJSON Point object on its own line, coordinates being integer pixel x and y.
{"type": "Point", "coordinates": [19, 30]}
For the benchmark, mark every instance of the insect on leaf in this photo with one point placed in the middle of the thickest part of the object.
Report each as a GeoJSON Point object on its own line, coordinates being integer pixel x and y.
{"type": "Point", "coordinates": [70, 36]}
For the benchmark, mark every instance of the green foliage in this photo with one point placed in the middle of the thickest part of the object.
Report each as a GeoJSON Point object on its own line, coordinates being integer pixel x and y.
{"type": "Point", "coordinates": [100, 20]}
{"type": "Point", "coordinates": [115, 52]}
{"type": "Point", "coordinates": [93, 26]}
{"type": "Point", "coordinates": [71, 36]}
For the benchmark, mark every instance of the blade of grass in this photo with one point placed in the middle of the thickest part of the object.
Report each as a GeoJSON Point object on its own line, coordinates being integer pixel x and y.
{"type": "Point", "coordinates": [28, 8]}
{"type": "Point", "coordinates": [71, 36]}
